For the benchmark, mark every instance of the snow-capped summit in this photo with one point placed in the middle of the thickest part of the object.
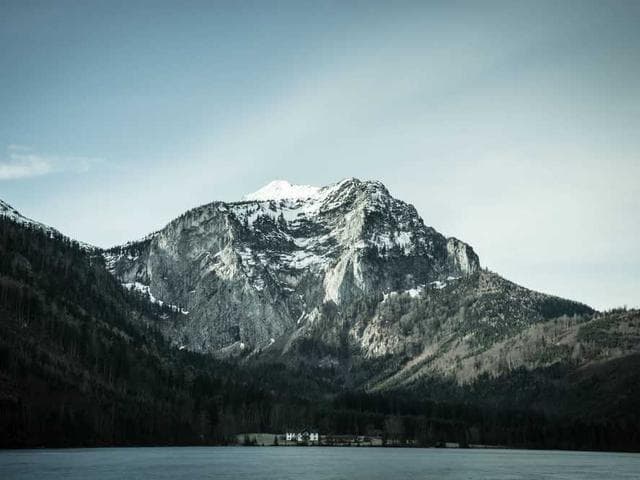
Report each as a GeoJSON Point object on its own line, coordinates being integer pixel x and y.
{"type": "Point", "coordinates": [283, 190]}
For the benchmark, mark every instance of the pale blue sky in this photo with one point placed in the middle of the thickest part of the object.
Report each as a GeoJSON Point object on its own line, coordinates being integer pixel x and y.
{"type": "Point", "coordinates": [511, 125]}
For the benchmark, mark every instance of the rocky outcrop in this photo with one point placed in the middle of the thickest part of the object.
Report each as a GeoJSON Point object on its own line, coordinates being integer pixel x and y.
{"type": "Point", "coordinates": [462, 256]}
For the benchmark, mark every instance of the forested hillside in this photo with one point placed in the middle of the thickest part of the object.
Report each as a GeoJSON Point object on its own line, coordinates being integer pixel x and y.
{"type": "Point", "coordinates": [81, 362]}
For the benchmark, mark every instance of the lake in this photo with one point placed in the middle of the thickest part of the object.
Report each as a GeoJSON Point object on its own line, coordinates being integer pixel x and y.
{"type": "Point", "coordinates": [322, 463]}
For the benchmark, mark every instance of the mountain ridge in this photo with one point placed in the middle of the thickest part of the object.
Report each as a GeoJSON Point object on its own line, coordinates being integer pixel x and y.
{"type": "Point", "coordinates": [288, 256]}
{"type": "Point", "coordinates": [289, 265]}
{"type": "Point", "coordinates": [339, 276]}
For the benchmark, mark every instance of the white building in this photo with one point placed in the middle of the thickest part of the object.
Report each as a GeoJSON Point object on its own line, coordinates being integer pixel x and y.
{"type": "Point", "coordinates": [302, 437]}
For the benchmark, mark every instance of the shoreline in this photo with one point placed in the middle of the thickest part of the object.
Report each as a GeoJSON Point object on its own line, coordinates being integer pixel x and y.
{"type": "Point", "coordinates": [381, 447]}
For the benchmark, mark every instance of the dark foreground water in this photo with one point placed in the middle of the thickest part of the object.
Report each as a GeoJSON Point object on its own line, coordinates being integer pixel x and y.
{"type": "Point", "coordinates": [314, 463]}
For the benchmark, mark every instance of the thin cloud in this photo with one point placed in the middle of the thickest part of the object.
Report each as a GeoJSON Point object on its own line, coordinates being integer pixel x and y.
{"type": "Point", "coordinates": [24, 166]}
{"type": "Point", "coordinates": [22, 162]}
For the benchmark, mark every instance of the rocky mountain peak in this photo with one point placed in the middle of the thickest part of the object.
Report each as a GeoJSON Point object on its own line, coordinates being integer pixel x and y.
{"type": "Point", "coordinates": [250, 271]}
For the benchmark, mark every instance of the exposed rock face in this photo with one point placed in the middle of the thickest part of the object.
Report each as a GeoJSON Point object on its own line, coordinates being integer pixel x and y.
{"type": "Point", "coordinates": [462, 256]}
{"type": "Point", "coordinates": [269, 267]}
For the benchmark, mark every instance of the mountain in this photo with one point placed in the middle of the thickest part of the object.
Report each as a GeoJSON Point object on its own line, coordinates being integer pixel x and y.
{"type": "Point", "coordinates": [385, 329]}
{"type": "Point", "coordinates": [253, 271]}
{"type": "Point", "coordinates": [332, 276]}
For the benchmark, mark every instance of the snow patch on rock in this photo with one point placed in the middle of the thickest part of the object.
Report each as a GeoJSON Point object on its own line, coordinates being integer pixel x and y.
{"type": "Point", "coordinates": [146, 290]}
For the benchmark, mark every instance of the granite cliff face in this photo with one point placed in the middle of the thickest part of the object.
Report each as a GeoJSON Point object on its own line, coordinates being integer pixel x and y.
{"type": "Point", "coordinates": [249, 273]}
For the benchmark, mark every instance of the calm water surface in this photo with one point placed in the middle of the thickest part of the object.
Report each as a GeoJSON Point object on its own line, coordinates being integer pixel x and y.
{"type": "Point", "coordinates": [314, 463]}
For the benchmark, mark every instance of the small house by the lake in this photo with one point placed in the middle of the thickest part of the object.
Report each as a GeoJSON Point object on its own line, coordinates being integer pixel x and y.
{"type": "Point", "coordinates": [303, 437]}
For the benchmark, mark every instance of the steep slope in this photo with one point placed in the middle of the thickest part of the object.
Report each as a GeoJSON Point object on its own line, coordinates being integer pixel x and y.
{"type": "Point", "coordinates": [444, 329]}
{"type": "Point", "coordinates": [253, 271]}
{"type": "Point", "coordinates": [459, 329]}
{"type": "Point", "coordinates": [71, 340]}
{"type": "Point", "coordinates": [10, 213]}
{"type": "Point", "coordinates": [7, 212]}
